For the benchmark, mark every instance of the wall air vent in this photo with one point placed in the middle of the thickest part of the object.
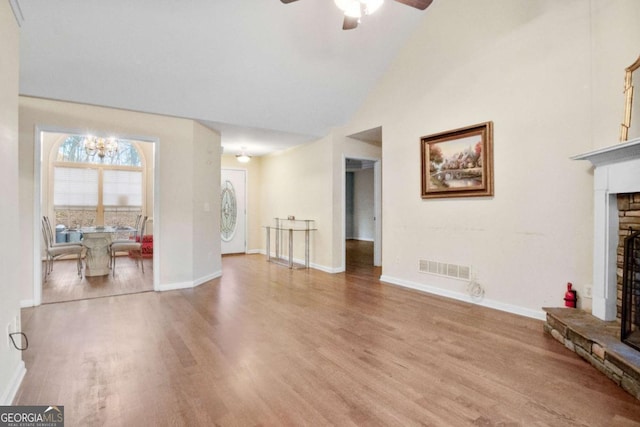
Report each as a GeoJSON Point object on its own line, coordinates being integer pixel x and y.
{"type": "Point", "coordinates": [455, 271]}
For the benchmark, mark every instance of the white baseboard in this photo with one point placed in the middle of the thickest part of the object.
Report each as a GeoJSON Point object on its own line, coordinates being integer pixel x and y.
{"type": "Point", "coordinates": [187, 285]}
{"type": "Point", "coordinates": [12, 388]}
{"type": "Point", "coordinates": [206, 278]}
{"type": "Point", "coordinates": [301, 261]}
{"type": "Point", "coordinates": [364, 239]}
{"type": "Point", "coordinates": [326, 269]}
{"type": "Point", "coordinates": [497, 305]}
{"type": "Point", "coordinates": [174, 286]}
{"type": "Point", "coordinates": [26, 303]}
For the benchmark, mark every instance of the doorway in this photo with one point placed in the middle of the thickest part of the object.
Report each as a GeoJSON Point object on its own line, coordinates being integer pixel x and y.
{"type": "Point", "coordinates": [79, 186]}
{"type": "Point", "coordinates": [362, 214]}
{"type": "Point", "coordinates": [233, 212]}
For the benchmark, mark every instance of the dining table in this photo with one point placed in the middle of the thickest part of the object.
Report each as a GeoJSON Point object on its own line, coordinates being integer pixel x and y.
{"type": "Point", "coordinates": [96, 240]}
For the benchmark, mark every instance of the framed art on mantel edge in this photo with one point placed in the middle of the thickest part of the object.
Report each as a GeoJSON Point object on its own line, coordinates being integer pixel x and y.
{"type": "Point", "coordinates": [458, 163]}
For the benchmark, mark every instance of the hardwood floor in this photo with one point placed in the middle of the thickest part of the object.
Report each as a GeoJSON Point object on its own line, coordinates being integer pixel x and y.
{"type": "Point", "coordinates": [359, 259]}
{"type": "Point", "coordinates": [265, 345]}
{"type": "Point", "coordinates": [63, 284]}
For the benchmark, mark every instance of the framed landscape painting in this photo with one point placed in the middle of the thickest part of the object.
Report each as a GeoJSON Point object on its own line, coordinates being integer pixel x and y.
{"type": "Point", "coordinates": [458, 163]}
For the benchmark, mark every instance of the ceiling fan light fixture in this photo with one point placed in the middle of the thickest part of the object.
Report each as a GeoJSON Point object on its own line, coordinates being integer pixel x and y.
{"type": "Point", "coordinates": [355, 8]}
{"type": "Point", "coordinates": [370, 6]}
{"type": "Point", "coordinates": [343, 5]}
{"type": "Point", "coordinates": [351, 8]}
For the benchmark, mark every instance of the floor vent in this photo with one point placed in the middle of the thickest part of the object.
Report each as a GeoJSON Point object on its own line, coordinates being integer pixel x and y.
{"type": "Point", "coordinates": [455, 271]}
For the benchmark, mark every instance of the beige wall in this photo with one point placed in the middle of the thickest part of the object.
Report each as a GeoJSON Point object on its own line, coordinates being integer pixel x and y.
{"type": "Point", "coordinates": [615, 37]}
{"type": "Point", "coordinates": [187, 164]}
{"type": "Point", "coordinates": [549, 75]}
{"type": "Point", "coordinates": [255, 232]}
{"type": "Point", "coordinates": [308, 182]}
{"type": "Point", "coordinates": [11, 365]}
{"type": "Point", "coordinates": [299, 182]}
{"type": "Point", "coordinates": [345, 147]}
{"type": "Point", "coordinates": [206, 202]}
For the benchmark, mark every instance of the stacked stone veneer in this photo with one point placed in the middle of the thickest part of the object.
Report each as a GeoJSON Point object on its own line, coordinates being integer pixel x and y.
{"type": "Point", "coordinates": [76, 218]}
{"type": "Point", "coordinates": [629, 218]}
{"type": "Point", "coordinates": [598, 342]}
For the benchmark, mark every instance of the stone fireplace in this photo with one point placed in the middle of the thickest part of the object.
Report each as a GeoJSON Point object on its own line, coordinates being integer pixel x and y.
{"type": "Point", "coordinates": [629, 219]}
{"type": "Point", "coordinates": [617, 171]}
{"type": "Point", "coordinates": [596, 337]}
{"type": "Point", "coordinates": [630, 295]}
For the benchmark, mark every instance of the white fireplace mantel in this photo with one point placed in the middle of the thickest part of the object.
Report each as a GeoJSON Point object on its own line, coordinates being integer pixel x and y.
{"type": "Point", "coordinates": [617, 170]}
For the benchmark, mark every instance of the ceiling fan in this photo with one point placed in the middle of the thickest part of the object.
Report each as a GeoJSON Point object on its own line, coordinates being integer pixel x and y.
{"type": "Point", "coordinates": [355, 9]}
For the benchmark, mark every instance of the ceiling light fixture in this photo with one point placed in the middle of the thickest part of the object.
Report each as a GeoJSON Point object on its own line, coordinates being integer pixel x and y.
{"type": "Point", "coordinates": [243, 157]}
{"type": "Point", "coordinates": [356, 8]}
{"type": "Point", "coordinates": [100, 146]}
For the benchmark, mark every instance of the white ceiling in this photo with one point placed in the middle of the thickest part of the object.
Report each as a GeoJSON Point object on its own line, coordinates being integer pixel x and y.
{"type": "Point", "coordinates": [266, 74]}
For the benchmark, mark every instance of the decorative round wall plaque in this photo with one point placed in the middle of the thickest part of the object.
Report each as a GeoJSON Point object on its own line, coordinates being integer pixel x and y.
{"type": "Point", "coordinates": [228, 211]}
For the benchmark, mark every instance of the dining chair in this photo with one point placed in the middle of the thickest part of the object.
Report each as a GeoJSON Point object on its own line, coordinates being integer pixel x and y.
{"type": "Point", "coordinates": [49, 229]}
{"type": "Point", "coordinates": [56, 251]}
{"type": "Point", "coordinates": [134, 246]}
{"type": "Point", "coordinates": [133, 234]}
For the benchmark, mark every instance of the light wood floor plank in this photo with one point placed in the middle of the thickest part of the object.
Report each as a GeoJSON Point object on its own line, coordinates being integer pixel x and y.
{"type": "Point", "coordinates": [265, 345]}
{"type": "Point", "coordinates": [64, 284]}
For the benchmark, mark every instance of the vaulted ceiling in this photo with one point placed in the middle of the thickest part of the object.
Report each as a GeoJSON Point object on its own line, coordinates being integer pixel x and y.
{"type": "Point", "coordinates": [265, 74]}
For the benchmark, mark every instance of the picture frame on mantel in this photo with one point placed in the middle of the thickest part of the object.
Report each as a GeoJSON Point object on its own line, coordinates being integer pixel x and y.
{"type": "Point", "coordinates": [458, 163]}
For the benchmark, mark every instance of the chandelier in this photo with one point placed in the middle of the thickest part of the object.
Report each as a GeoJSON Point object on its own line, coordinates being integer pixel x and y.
{"type": "Point", "coordinates": [100, 146]}
{"type": "Point", "coordinates": [356, 8]}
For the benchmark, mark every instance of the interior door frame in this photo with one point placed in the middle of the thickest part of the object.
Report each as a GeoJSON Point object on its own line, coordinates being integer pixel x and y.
{"type": "Point", "coordinates": [377, 208]}
{"type": "Point", "coordinates": [37, 201]}
{"type": "Point", "coordinates": [246, 200]}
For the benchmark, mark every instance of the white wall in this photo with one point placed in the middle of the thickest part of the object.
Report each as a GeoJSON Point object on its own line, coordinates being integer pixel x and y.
{"type": "Point", "coordinates": [11, 366]}
{"type": "Point", "coordinates": [363, 204]}
{"type": "Point", "coordinates": [189, 170]}
{"type": "Point", "coordinates": [538, 70]}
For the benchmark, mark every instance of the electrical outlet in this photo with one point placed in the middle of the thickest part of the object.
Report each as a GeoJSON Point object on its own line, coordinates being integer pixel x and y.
{"type": "Point", "coordinates": [587, 291]}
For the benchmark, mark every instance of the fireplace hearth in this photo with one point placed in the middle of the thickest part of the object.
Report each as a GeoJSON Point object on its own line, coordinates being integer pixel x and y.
{"type": "Point", "coordinates": [630, 316]}
{"type": "Point", "coordinates": [597, 336]}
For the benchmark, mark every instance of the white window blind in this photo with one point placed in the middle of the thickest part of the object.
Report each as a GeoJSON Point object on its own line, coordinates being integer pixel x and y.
{"type": "Point", "coordinates": [75, 187]}
{"type": "Point", "coordinates": [121, 188]}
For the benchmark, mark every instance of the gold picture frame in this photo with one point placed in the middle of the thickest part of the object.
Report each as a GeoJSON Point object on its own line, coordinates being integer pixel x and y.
{"type": "Point", "coordinates": [629, 73]}
{"type": "Point", "coordinates": [458, 163]}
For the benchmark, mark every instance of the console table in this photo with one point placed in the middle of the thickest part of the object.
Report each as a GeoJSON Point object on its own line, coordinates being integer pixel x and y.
{"type": "Point", "coordinates": [290, 227]}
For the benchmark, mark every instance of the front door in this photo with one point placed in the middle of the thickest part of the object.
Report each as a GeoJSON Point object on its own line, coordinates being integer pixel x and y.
{"type": "Point", "coordinates": [233, 211]}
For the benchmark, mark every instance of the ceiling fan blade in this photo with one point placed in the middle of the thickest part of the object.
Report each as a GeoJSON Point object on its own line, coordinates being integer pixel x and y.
{"type": "Point", "coordinates": [287, 1]}
{"type": "Point", "coordinates": [418, 4]}
{"type": "Point", "coordinates": [349, 23]}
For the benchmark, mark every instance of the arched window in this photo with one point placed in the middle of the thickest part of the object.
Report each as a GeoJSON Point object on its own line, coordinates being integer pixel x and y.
{"type": "Point", "coordinates": [97, 181]}
{"type": "Point", "coordinates": [73, 150]}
